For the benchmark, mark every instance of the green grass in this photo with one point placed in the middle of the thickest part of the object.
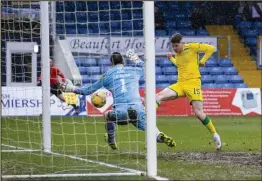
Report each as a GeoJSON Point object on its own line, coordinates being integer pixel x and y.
{"type": "Point", "coordinates": [83, 137]}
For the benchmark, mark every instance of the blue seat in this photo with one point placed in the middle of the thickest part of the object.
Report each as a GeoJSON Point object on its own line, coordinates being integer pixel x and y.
{"type": "Point", "coordinates": [160, 33]}
{"type": "Point", "coordinates": [187, 32]}
{"type": "Point", "coordinates": [115, 15]}
{"type": "Point", "coordinates": [137, 4]}
{"type": "Point", "coordinates": [104, 62]}
{"type": "Point", "coordinates": [69, 6]}
{"type": "Point", "coordinates": [60, 17]}
{"type": "Point", "coordinates": [211, 63]}
{"type": "Point", "coordinates": [138, 33]}
{"type": "Point", "coordinates": [181, 16]}
{"type": "Point", "coordinates": [216, 71]}
{"type": "Point", "coordinates": [126, 4]}
{"type": "Point", "coordinates": [93, 70]}
{"type": "Point", "coordinates": [82, 29]}
{"type": "Point", "coordinates": [78, 62]}
{"type": "Point", "coordinates": [88, 62]}
{"type": "Point", "coordinates": [92, 16]}
{"type": "Point", "coordinates": [138, 24]}
{"type": "Point", "coordinates": [230, 71]}
{"type": "Point", "coordinates": [92, 6]}
{"type": "Point", "coordinates": [103, 5]}
{"type": "Point", "coordinates": [210, 85]}
{"type": "Point", "coordinates": [169, 70]}
{"type": "Point", "coordinates": [220, 79]}
{"type": "Point", "coordinates": [172, 31]}
{"type": "Point", "coordinates": [171, 24]}
{"type": "Point", "coordinates": [245, 24]}
{"type": "Point", "coordinates": [225, 63]}
{"type": "Point", "coordinates": [251, 41]}
{"type": "Point", "coordinates": [70, 17]}
{"type": "Point", "coordinates": [251, 33]}
{"type": "Point", "coordinates": [162, 85]}
{"type": "Point", "coordinates": [114, 4]}
{"type": "Point", "coordinates": [161, 79]}
{"type": "Point", "coordinates": [127, 33]}
{"type": "Point", "coordinates": [103, 25]}
{"type": "Point", "coordinates": [204, 70]}
{"type": "Point", "coordinates": [81, 17]}
{"type": "Point", "coordinates": [127, 25]}
{"type": "Point", "coordinates": [83, 70]}
{"type": "Point", "coordinates": [240, 85]}
{"type": "Point", "coordinates": [115, 25]}
{"type": "Point", "coordinates": [81, 6]}
{"type": "Point", "coordinates": [207, 79]}
{"type": "Point", "coordinates": [142, 80]}
{"type": "Point", "coordinates": [60, 7]}
{"type": "Point", "coordinates": [164, 62]}
{"type": "Point", "coordinates": [183, 24]}
{"type": "Point", "coordinates": [257, 25]}
{"type": "Point", "coordinates": [137, 14]}
{"type": "Point", "coordinates": [59, 29]}
{"type": "Point", "coordinates": [105, 68]}
{"type": "Point", "coordinates": [71, 29]}
{"type": "Point", "coordinates": [225, 86]}
{"type": "Point", "coordinates": [86, 79]}
{"type": "Point", "coordinates": [235, 79]}
{"type": "Point", "coordinates": [104, 16]}
{"type": "Point", "coordinates": [202, 33]}
{"type": "Point", "coordinates": [172, 78]}
{"type": "Point", "coordinates": [158, 71]}
{"type": "Point", "coordinates": [95, 78]}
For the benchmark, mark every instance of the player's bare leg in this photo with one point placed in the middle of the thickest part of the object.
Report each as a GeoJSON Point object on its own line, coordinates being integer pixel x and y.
{"type": "Point", "coordinates": [198, 110]}
{"type": "Point", "coordinates": [110, 129]}
{"type": "Point", "coordinates": [165, 95]}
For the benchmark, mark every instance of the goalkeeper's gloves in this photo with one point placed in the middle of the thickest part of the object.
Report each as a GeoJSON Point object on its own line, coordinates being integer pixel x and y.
{"type": "Point", "coordinates": [66, 87]}
{"type": "Point", "coordinates": [132, 56]}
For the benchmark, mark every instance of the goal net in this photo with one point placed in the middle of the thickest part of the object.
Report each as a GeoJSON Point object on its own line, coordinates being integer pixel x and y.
{"type": "Point", "coordinates": [82, 36]}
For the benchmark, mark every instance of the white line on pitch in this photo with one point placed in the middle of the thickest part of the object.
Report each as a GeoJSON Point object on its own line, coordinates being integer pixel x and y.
{"type": "Point", "coordinates": [19, 149]}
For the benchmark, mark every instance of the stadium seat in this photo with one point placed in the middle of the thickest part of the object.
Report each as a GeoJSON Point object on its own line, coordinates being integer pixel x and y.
{"type": "Point", "coordinates": [103, 15]}
{"type": "Point", "coordinates": [171, 24]}
{"type": "Point", "coordinates": [211, 63]}
{"type": "Point", "coordinates": [164, 62]}
{"type": "Point", "coordinates": [235, 79]}
{"type": "Point", "coordinates": [187, 32]}
{"type": "Point", "coordinates": [204, 70]}
{"type": "Point", "coordinates": [126, 14]}
{"type": "Point", "coordinates": [137, 4]}
{"type": "Point", "coordinates": [257, 25]}
{"type": "Point", "coordinates": [81, 17]}
{"type": "Point", "coordinates": [171, 79]}
{"type": "Point", "coordinates": [138, 33]}
{"type": "Point", "coordinates": [70, 17]}
{"type": "Point", "coordinates": [163, 85]}
{"type": "Point", "coordinates": [115, 15]}
{"type": "Point", "coordinates": [83, 70]}
{"type": "Point", "coordinates": [92, 16]}
{"type": "Point", "coordinates": [137, 14]}
{"type": "Point", "coordinates": [210, 85]}
{"type": "Point", "coordinates": [225, 63]}
{"type": "Point", "coordinates": [60, 17]}
{"type": "Point", "coordinates": [216, 71]}
{"type": "Point", "coordinates": [240, 85]}
{"type": "Point", "coordinates": [126, 4]}
{"type": "Point", "coordinates": [225, 85]}
{"type": "Point", "coordinates": [127, 33]}
{"type": "Point", "coordinates": [115, 25]}
{"type": "Point", "coordinates": [103, 5]}
{"type": "Point", "coordinates": [230, 71]}
{"type": "Point", "coordinates": [70, 29]}
{"type": "Point", "coordinates": [172, 31]}
{"type": "Point", "coordinates": [114, 4]}
{"type": "Point", "coordinates": [88, 62]}
{"type": "Point", "coordinates": [69, 6]}
{"type": "Point", "coordinates": [105, 68]}
{"type": "Point", "coordinates": [86, 79]}
{"type": "Point", "coordinates": [169, 70]}
{"type": "Point", "coordinates": [251, 41]}
{"type": "Point", "coordinates": [221, 79]}
{"type": "Point", "coordinates": [161, 79]}
{"type": "Point", "coordinates": [127, 25]}
{"type": "Point", "coordinates": [60, 6]}
{"type": "Point", "coordinates": [138, 24]}
{"type": "Point", "coordinates": [160, 33]}
{"type": "Point", "coordinates": [142, 80]}
{"type": "Point", "coordinates": [92, 6]}
{"type": "Point", "coordinates": [104, 62]}
{"type": "Point", "coordinates": [93, 70]}
{"type": "Point", "coordinates": [59, 29]}
{"type": "Point", "coordinates": [81, 6]}
{"type": "Point", "coordinates": [251, 33]}
{"type": "Point", "coordinates": [181, 16]}
{"type": "Point", "coordinates": [202, 33]}
{"type": "Point", "coordinates": [183, 24]}
{"type": "Point", "coordinates": [158, 71]}
{"type": "Point", "coordinates": [245, 24]}
{"type": "Point", "coordinates": [95, 78]}
{"type": "Point", "coordinates": [207, 79]}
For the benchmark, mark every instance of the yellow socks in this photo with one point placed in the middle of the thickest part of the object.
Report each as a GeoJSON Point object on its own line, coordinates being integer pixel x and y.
{"type": "Point", "coordinates": [209, 125]}
{"type": "Point", "coordinates": [157, 104]}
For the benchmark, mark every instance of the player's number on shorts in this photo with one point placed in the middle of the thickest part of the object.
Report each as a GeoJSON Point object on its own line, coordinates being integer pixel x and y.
{"type": "Point", "coordinates": [123, 85]}
{"type": "Point", "coordinates": [196, 91]}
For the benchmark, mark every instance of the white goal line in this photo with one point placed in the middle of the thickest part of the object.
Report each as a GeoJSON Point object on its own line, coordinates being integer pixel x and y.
{"type": "Point", "coordinates": [16, 149]}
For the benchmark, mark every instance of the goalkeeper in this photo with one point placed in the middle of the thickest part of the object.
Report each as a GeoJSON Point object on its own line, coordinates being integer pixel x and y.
{"type": "Point", "coordinates": [189, 82]}
{"type": "Point", "coordinates": [123, 83]}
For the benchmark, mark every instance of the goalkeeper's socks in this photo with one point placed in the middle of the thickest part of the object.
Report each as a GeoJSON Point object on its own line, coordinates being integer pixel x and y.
{"type": "Point", "coordinates": [110, 129]}
{"type": "Point", "coordinates": [157, 104]}
{"type": "Point", "coordinates": [209, 125]}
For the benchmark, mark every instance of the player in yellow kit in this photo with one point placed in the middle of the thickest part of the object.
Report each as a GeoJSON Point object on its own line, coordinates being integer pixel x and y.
{"type": "Point", "coordinates": [189, 79]}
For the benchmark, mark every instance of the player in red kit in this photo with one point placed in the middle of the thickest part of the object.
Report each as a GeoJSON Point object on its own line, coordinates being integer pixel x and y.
{"type": "Point", "coordinates": [55, 76]}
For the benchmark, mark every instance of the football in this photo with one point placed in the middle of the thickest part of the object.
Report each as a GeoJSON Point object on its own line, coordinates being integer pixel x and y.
{"type": "Point", "coordinates": [98, 99]}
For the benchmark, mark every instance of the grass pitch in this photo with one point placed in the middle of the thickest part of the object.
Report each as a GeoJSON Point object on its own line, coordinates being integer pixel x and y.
{"type": "Point", "coordinates": [78, 146]}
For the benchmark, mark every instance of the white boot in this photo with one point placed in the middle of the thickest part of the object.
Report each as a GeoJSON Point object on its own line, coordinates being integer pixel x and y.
{"type": "Point", "coordinates": [217, 141]}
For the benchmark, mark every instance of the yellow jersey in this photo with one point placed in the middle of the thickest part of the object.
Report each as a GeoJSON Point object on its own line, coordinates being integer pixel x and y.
{"type": "Point", "coordinates": [187, 60]}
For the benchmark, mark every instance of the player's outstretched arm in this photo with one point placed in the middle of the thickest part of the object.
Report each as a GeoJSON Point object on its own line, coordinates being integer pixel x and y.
{"type": "Point", "coordinates": [171, 58]}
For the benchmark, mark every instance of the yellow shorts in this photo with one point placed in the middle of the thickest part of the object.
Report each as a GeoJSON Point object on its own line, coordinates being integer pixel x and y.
{"type": "Point", "coordinates": [190, 88]}
{"type": "Point", "coordinates": [70, 98]}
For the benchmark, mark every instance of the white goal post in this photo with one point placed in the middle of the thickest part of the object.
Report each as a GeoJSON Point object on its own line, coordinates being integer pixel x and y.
{"type": "Point", "coordinates": [31, 139]}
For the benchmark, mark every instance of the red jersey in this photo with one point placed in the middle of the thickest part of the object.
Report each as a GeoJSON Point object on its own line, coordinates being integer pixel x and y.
{"type": "Point", "coordinates": [55, 73]}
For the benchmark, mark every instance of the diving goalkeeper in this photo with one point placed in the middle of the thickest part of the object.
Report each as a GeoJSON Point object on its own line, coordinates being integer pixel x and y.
{"type": "Point", "coordinates": [189, 82]}
{"type": "Point", "coordinates": [123, 83]}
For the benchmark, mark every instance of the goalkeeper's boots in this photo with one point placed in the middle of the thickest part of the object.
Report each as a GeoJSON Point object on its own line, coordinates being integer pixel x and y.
{"type": "Point", "coordinates": [167, 140]}
{"type": "Point", "coordinates": [111, 143]}
{"type": "Point", "coordinates": [217, 141]}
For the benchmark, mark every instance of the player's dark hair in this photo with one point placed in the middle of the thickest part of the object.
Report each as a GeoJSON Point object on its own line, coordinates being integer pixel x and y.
{"type": "Point", "coordinates": [116, 58]}
{"type": "Point", "coordinates": [176, 38]}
